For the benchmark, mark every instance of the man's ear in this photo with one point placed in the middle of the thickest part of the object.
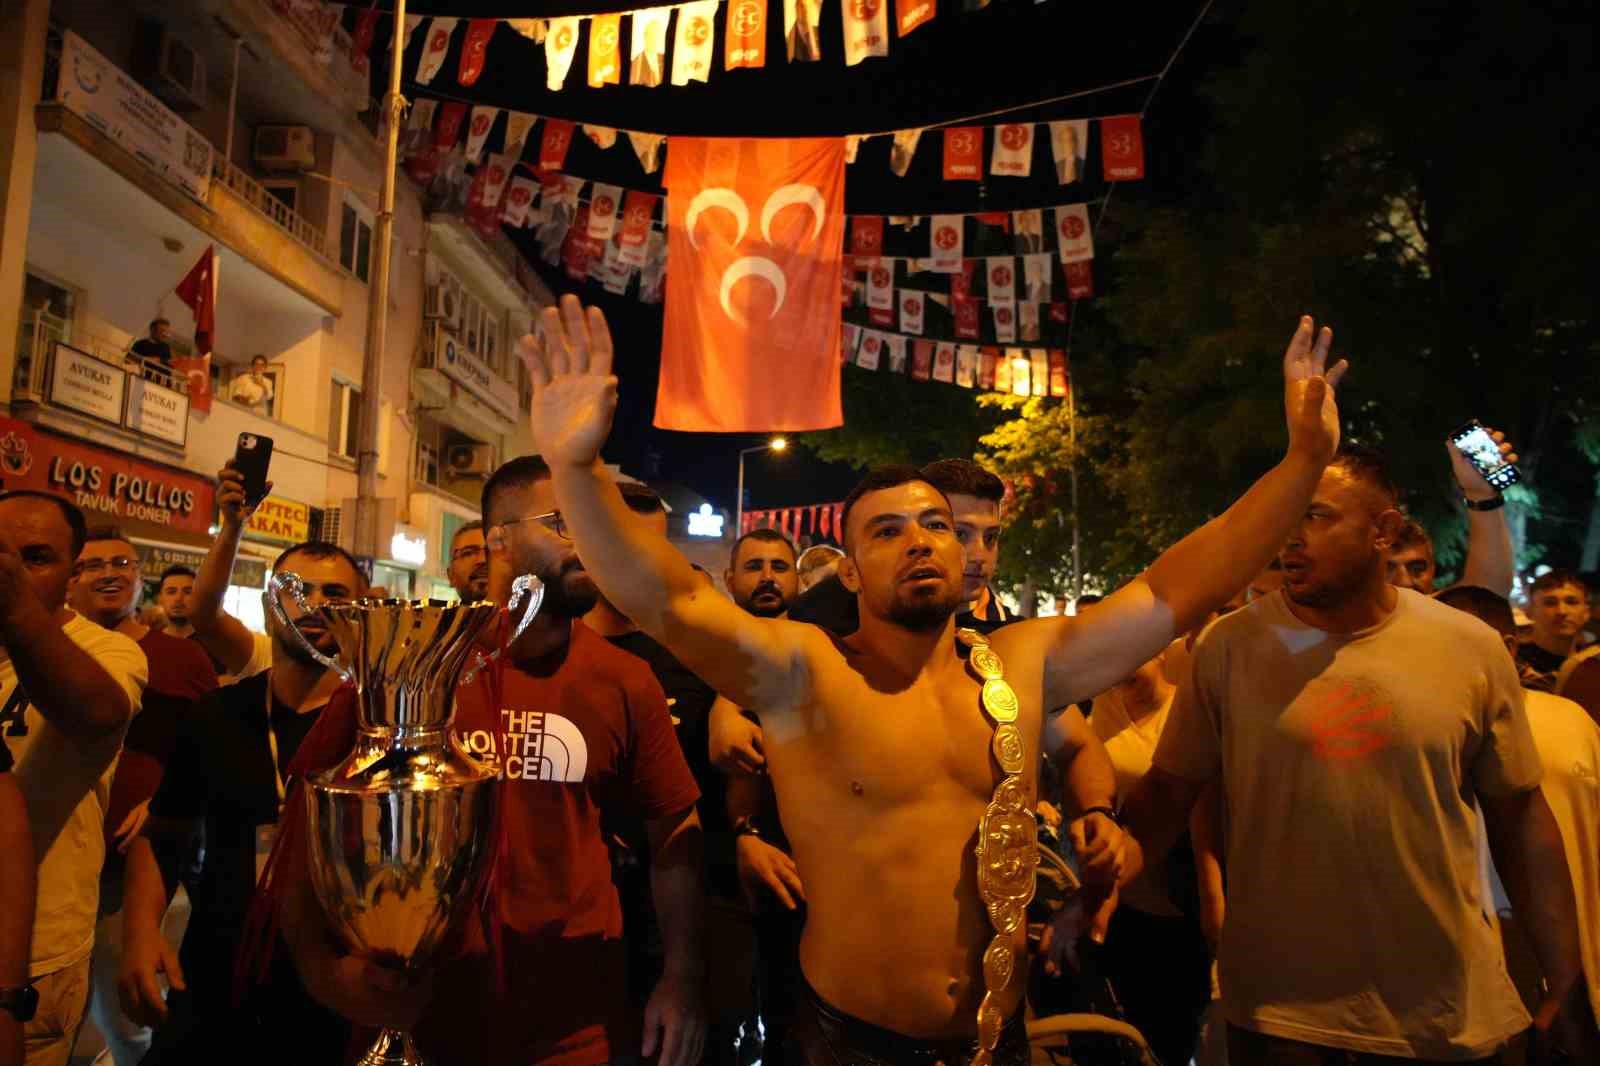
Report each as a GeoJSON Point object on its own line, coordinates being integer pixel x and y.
{"type": "Point", "coordinates": [849, 576]}
{"type": "Point", "coordinates": [495, 540]}
{"type": "Point", "coordinates": [1391, 524]}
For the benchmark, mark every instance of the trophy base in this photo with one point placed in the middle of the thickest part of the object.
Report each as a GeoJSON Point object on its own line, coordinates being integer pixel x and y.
{"type": "Point", "coordinates": [392, 1048]}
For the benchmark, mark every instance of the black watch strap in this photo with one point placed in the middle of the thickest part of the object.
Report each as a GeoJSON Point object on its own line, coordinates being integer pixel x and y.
{"type": "Point", "coordinates": [1109, 812]}
{"type": "Point", "coordinates": [21, 1002]}
{"type": "Point", "coordinates": [1494, 503]}
{"type": "Point", "coordinates": [746, 827]}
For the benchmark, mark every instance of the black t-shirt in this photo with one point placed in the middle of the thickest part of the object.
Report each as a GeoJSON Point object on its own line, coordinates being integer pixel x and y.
{"type": "Point", "coordinates": [1544, 664]}
{"type": "Point", "coordinates": [148, 348]}
{"type": "Point", "coordinates": [221, 771]}
{"type": "Point", "coordinates": [6, 762]}
{"type": "Point", "coordinates": [833, 607]}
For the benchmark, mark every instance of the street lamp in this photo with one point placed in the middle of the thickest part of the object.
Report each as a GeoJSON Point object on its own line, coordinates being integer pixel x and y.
{"type": "Point", "coordinates": [776, 444]}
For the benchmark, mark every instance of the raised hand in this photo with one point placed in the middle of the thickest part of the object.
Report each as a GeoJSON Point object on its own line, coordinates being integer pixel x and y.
{"type": "Point", "coordinates": [1308, 387]}
{"type": "Point", "coordinates": [574, 393]}
{"type": "Point", "coordinates": [1473, 484]}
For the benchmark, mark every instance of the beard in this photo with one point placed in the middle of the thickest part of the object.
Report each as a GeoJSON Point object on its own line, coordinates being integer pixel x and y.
{"type": "Point", "coordinates": [569, 592]}
{"type": "Point", "coordinates": [922, 613]}
{"type": "Point", "coordinates": [772, 606]}
{"type": "Point", "coordinates": [294, 647]}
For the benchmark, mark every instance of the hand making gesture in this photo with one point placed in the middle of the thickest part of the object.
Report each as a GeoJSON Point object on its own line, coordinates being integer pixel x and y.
{"type": "Point", "coordinates": [568, 357]}
{"type": "Point", "coordinates": [1308, 387]}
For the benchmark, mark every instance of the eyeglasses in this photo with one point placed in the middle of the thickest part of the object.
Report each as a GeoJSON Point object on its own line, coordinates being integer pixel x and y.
{"type": "Point", "coordinates": [551, 520]}
{"type": "Point", "coordinates": [119, 563]}
{"type": "Point", "coordinates": [471, 551]}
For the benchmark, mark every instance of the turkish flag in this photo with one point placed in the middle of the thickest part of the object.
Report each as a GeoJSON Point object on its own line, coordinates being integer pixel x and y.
{"type": "Point", "coordinates": [1122, 148]}
{"type": "Point", "coordinates": [478, 131]}
{"type": "Point", "coordinates": [637, 210]}
{"type": "Point", "coordinates": [605, 50]}
{"type": "Point", "coordinates": [866, 235]}
{"type": "Point", "coordinates": [746, 37]}
{"type": "Point", "coordinates": [361, 40]}
{"type": "Point", "coordinates": [963, 153]}
{"type": "Point", "coordinates": [553, 147]}
{"type": "Point", "coordinates": [474, 49]}
{"type": "Point", "coordinates": [560, 44]}
{"type": "Point", "coordinates": [755, 230]}
{"type": "Point", "coordinates": [198, 289]}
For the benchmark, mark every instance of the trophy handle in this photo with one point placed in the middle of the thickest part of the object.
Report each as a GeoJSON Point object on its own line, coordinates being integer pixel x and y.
{"type": "Point", "coordinates": [290, 582]}
{"type": "Point", "coordinates": [525, 588]}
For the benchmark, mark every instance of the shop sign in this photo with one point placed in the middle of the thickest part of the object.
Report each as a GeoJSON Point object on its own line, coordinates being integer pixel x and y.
{"type": "Point", "coordinates": [705, 522]}
{"type": "Point", "coordinates": [474, 374]}
{"type": "Point", "coordinates": [91, 87]}
{"type": "Point", "coordinates": [154, 560]}
{"type": "Point", "coordinates": [107, 485]}
{"type": "Point", "coordinates": [281, 521]}
{"type": "Point", "coordinates": [157, 411]}
{"type": "Point", "coordinates": [83, 383]}
{"type": "Point", "coordinates": [408, 548]}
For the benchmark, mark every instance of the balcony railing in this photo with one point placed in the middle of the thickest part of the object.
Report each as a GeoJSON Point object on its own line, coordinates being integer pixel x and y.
{"type": "Point", "coordinates": [253, 193]}
{"type": "Point", "coordinates": [37, 337]}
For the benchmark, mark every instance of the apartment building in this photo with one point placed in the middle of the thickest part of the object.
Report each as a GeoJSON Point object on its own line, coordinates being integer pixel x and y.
{"type": "Point", "coordinates": [135, 135]}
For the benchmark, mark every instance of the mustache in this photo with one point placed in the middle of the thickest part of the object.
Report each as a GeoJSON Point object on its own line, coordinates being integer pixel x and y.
{"type": "Point", "coordinates": [768, 586]}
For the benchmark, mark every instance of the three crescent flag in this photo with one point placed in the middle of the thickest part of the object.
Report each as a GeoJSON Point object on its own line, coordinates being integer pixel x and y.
{"type": "Point", "coordinates": [755, 238]}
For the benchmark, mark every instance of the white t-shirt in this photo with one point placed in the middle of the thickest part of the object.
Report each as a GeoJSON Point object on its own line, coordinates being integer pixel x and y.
{"type": "Point", "coordinates": [66, 786]}
{"type": "Point", "coordinates": [1356, 917]}
{"type": "Point", "coordinates": [1130, 746]}
{"type": "Point", "coordinates": [252, 393]}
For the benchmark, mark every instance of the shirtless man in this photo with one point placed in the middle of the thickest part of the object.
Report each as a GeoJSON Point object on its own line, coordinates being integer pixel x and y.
{"type": "Point", "coordinates": [876, 744]}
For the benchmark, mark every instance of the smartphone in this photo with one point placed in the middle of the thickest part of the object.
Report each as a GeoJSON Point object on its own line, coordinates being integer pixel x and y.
{"type": "Point", "coordinates": [1481, 450]}
{"type": "Point", "coordinates": [251, 457]}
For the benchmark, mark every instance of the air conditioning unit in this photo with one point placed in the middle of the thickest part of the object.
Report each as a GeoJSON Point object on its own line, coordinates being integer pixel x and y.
{"type": "Point", "coordinates": [177, 73]}
{"type": "Point", "coordinates": [285, 148]}
{"type": "Point", "coordinates": [443, 302]}
{"type": "Point", "coordinates": [470, 460]}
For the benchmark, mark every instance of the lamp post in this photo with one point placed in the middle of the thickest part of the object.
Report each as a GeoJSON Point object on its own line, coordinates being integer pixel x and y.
{"type": "Point", "coordinates": [776, 444]}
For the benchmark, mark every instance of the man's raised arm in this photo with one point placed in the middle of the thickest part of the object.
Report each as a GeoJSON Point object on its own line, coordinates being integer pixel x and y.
{"type": "Point", "coordinates": [221, 634]}
{"type": "Point", "coordinates": [1198, 574]}
{"type": "Point", "coordinates": [750, 660]}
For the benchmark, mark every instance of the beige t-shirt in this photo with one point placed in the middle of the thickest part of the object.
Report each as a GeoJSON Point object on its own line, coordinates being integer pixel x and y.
{"type": "Point", "coordinates": [66, 786]}
{"type": "Point", "coordinates": [1131, 745]}
{"type": "Point", "coordinates": [1356, 917]}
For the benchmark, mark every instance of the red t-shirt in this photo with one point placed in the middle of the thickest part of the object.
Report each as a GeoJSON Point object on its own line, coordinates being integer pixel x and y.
{"type": "Point", "coordinates": [590, 733]}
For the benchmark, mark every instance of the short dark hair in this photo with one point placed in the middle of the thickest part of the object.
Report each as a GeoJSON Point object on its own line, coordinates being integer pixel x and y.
{"type": "Point", "coordinates": [175, 571]}
{"type": "Point", "coordinates": [1413, 535]}
{"type": "Point", "coordinates": [1482, 604]}
{"type": "Point", "coordinates": [259, 356]}
{"type": "Point", "coordinates": [764, 533]}
{"type": "Point", "coordinates": [320, 549]}
{"type": "Point", "coordinates": [1366, 465]}
{"type": "Point", "coordinates": [516, 473]}
{"type": "Point", "coordinates": [467, 527]}
{"type": "Point", "coordinates": [641, 499]}
{"type": "Point", "coordinates": [96, 534]}
{"type": "Point", "coordinates": [963, 477]}
{"type": "Point", "coordinates": [154, 322]}
{"type": "Point", "coordinates": [69, 512]}
{"type": "Point", "coordinates": [878, 479]}
{"type": "Point", "coordinates": [1558, 578]}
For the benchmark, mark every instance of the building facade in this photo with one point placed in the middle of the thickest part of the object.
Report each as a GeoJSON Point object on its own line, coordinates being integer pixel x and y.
{"type": "Point", "coordinates": [136, 135]}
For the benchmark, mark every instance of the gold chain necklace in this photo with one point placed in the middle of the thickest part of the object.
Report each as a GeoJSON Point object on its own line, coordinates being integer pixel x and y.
{"type": "Point", "coordinates": [1008, 851]}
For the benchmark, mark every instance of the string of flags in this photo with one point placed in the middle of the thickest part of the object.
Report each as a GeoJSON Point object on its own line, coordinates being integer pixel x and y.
{"type": "Point", "coordinates": [691, 27]}
{"type": "Point", "coordinates": [820, 520]}
{"type": "Point", "coordinates": [1017, 371]}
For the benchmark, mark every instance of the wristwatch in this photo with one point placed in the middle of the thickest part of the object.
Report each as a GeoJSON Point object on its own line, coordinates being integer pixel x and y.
{"type": "Point", "coordinates": [746, 826]}
{"type": "Point", "coordinates": [20, 1002]}
{"type": "Point", "coordinates": [1109, 812]}
{"type": "Point", "coordinates": [1493, 503]}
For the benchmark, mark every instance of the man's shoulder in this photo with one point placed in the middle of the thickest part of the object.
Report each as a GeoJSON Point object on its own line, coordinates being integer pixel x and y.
{"type": "Point", "coordinates": [1547, 707]}
{"type": "Point", "coordinates": [1446, 622]}
{"type": "Point", "coordinates": [181, 663]}
{"type": "Point", "coordinates": [100, 641]}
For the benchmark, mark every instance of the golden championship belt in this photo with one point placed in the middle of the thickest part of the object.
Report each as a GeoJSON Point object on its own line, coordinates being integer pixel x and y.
{"type": "Point", "coordinates": [1008, 847]}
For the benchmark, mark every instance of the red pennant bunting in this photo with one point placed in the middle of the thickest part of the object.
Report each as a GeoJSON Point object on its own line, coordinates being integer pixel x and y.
{"type": "Point", "coordinates": [637, 209]}
{"type": "Point", "coordinates": [474, 49]}
{"type": "Point", "coordinates": [909, 14]}
{"type": "Point", "coordinates": [1080, 280]}
{"type": "Point", "coordinates": [966, 312]}
{"type": "Point", "coordinates": [1122, 148]}
{"type": "Point", "coordinates": [605, 52]}
{"type": "Point", "coordinates": [921, 360]}
{"type": "Point", "coordinates": [1060, 313]}
{"type": "Point", "coordinates": [986, 361]}
{"type": "Point", "coordinates": [553, 147]}
{"type": "Point", "coordinates": [866, 235]}
{"type": "Point", "coordinates": [838, 521]}
{"type": "Point", "coordinates": [961, 280]}
{"type": "Point", "coordinates": [996, 218]}
{"type": "Point", "coordinates": [1060, 379]}
{"type": "Point", "coordinates": [448, 127]}
{"type": "Point", "coordinates": [746, 36]}
{"type": "Point", "coordinates": [825, 520]}
{"type": "Point", "coordinates": [881, 316]}
{"type": "Point", "coordinates": [361, 39]}
{"type": "Point", "coordinates": [963, 153]}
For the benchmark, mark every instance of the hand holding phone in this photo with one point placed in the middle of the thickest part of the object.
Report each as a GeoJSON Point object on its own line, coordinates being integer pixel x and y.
{"type": "Point", "coordinates": [1486, 455]}
{"type": "Point", "coordinates": [252, 457]}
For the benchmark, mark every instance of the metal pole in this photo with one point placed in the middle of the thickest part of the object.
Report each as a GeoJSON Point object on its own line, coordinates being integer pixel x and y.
{"type": "Point", "coordinates": [233, 100]}
{"type": "Point", "coordinates": [738, 511]}
{"type": "Point", "coordinates": [366, 539]}
{"type": "Point", "coordinates": [1072, 477]}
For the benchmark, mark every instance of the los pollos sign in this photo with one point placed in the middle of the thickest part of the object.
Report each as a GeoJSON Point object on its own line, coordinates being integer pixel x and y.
{"type": "Point", "coordinates": [106, 485]}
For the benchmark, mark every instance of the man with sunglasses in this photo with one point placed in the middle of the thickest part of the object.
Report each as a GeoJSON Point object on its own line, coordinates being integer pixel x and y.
{"type": "Point", "coordinates": [227, 776]}
{"type": "Point", "coordinates": [576, 728]}
{"type": "Point", "coordinates": [68, 690]}
{"type": "Point", "coordinates": [469, 563]}
{"type": "Point", "coordinates": [105, 589]}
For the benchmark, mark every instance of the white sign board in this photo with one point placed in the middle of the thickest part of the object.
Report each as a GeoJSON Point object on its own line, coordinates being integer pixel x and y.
{"type": "Point", "coordinates": [157, 411]}
{"type": "Point", "coordinates": [113, 103]}
{"type": "Point", "coordinates": [704, 523]}
{"type": "Point", "coordinates": [80, 381]}
{"type": "Point", "coordinates": [462, 366]}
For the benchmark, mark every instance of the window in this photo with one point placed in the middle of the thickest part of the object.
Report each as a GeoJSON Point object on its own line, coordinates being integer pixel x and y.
{"type": "Point", "coordinates": [355, 239]}
{"type": "Point", "coordinates": [472, 321]}
{"type": "Point", "coordinates": [344, 422]}
{"type": "Point", "coordinates": [490, 341]}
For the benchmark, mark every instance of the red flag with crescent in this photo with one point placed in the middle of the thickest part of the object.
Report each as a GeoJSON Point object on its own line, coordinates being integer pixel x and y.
{"type": "Point", "coordinates": [198, 289]}
{"type": "Point", "coordinates": [751, 334]}
{"type": "Point", "coordinates": [474, 50]}
{"type": "Point", "coordinates": [361, 39]}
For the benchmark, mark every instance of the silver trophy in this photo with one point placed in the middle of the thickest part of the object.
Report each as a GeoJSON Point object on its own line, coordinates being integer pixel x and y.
{"type": "Point", "coordinates": [400, 830]}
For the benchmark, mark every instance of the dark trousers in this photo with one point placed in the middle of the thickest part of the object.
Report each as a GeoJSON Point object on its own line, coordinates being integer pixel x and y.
{"type": "Point", "coordinates": [1160, 970]}
{"type": "Point", "coordinates": [824, 1035]}
{"type": "Point", "coordinates": [779, 986]}
{"type": "Point", "coordinates": [1246, 1048]}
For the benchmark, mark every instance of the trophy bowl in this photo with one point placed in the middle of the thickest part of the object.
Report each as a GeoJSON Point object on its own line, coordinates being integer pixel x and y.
{"type": "Point", "coordinates": [400, 830]}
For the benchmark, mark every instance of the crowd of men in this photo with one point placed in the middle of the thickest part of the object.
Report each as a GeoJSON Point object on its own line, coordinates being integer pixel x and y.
{"type": "Point", "coordinates": [1318, 811]}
